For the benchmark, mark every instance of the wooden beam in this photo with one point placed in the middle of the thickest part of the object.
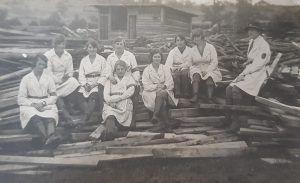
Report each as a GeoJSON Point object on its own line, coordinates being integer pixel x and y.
{"type": "Point", "coordinates": [186, 112]}
{"type": "Point", "coordinates": [16, 74]}
{"type": "Point", "coordinates": [275, 104]}
{"type": "Point", "coordinates": [253, 132]}
{"type": "Point", "coordinates": [290, 121]}
{"type": "Point", "coordinates": [161, 141]}
{"type": "Point", "coordinates": [211, 150]}
{"type": "Point", "coordinates": [8, 102]}
{"type": "Point", "coordinates": [258, 127]}
{"type": "Point", "coordinates": [142, 116]}
{"type": "Point", "coordinates": [88, 161]}
{"type": "Point", "coordinates": [202, 119]}
{"type": "Point", "coordinates": [9, 112]}
{"type": "Point", "coordinates": [76, 137]}
{"type": "Point", "coordinates": [230, 107]}
{"type": "Point", "coordinates": [16, 167]}
{"type": "Point", "coordinates": [193, 130]}
{"type": "Point", "coordinates": [16, 138]}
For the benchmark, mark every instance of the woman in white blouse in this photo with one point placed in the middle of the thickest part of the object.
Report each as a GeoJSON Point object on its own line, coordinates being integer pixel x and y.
{"type": "Point", "coordinates": [179, 61]}
{"type": "Point", "coordinates": [91, 78]}
{"type": "Point", "coordinates": [204, 69]}
{"type": "Point", "coordinates": [158, 90]}
{"type": "Point", "coordinates": [37, 100]}
{"type": "Point", "coordinates": [117, 110]}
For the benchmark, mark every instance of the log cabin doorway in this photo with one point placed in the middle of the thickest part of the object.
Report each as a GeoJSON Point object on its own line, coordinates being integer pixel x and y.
{"type": "Point", "coordinates": [131, 26]}
{"type": "Point", "coordinates": [104, 27]}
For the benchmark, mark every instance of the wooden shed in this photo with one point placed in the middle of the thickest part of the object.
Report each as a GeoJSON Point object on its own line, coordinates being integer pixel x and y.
{"type": "Point", "coordinates": [135, 20]}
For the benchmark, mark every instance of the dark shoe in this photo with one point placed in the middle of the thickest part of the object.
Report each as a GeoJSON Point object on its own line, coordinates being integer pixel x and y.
{"type": "Point", "coordinates": [53, 141]}
{"type": "Point", "coordinates": [154, 119]}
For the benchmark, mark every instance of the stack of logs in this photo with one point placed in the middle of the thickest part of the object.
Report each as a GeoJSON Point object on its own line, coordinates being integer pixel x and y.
{"type": "Point", "coordinates": [269, 123]}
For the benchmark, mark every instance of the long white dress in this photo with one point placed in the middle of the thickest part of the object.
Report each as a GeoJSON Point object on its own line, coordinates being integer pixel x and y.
{"type": "Point", "coordinates": [117, 99]}
{"type": "Point", "coordinates": [176, 58]}
{"type": "Point", "coordinates": [151, 79]}
{"type": "Point", "coordinates": [33, 90]}
{"type": "Point", "coordinates": [92, 73]}
{"type": "Point", "coordinates": [127, 57]}
{"type": "Point", "coordinates": [255, 73]}
{"type": "Point", "coordinates": [58, 67]}
{"type": "Point", "coordinates": [207, 62]}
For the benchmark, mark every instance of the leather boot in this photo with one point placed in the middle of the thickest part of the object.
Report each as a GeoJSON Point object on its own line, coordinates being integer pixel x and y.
{"type": "Point", "coordinates": [177, 84]}
{"type": "Point", "coordinates": [195, 86]}
{"type": "Point", "coordinates": [159, 100]}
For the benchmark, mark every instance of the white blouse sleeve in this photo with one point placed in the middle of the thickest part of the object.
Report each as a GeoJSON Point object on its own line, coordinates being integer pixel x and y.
{"type": "Point", "coordinates": [52, 91]}
{"type": "Point", "coordinates": [23, 93]}
{"type": "Point", "coordinates": [104, 75]}
{"type": "Point", "coordinates": [169, 61]}
{"type": "Point", "coordinates": [214, 59]}
{"type": "Point", "coordinates": [81, 74]}
{"type": "Point", "coordinates": [136, 74]}
{"type": "Point", "coordinates": [169, 79]}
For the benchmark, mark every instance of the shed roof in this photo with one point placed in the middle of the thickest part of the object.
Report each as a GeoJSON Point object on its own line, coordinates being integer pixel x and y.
{"type": "Point", "coordinates": [188, 11]}
{"type": "Point", "coordinates": [280, 2]}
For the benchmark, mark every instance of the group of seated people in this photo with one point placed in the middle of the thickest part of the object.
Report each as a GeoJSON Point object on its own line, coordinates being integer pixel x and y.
{"type": "Point", "coordinates": [109, 85]}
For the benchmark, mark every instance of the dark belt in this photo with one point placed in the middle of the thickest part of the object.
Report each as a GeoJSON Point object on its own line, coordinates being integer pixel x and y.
{"type": "Point", "coordinates": [35, 97]}
{"type": "Point", "coordinates": [134, 70]}
{"type": "Point", "coordinates": [116, 93]}
{"type": "Point", "coordinates": [92, 75]}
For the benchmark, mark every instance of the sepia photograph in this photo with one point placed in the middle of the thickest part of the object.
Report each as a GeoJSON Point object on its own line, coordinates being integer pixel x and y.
{"type": "Point", "coordinates": [150, 91]}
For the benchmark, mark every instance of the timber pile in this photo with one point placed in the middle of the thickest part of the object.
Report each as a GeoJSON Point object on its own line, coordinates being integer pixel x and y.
{"type": "Point", "coordinates": [270, 123]}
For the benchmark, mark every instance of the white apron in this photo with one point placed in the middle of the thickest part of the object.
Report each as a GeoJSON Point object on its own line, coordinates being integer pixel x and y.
{"type": "Point", "coordinates": [58, 67]}
{"type": "Point", "coordinates": [33, 91]}
{"type": "Point", "coordinates": [122, 91]}
{"type": "Point", "coordinates": [207, 62]}
{"type": "Point", "coordinates": [150, 79]}
{"type": "Point", "coordinates": [176, 58]}
{"type": "Point", "coordinates": [91, 73]}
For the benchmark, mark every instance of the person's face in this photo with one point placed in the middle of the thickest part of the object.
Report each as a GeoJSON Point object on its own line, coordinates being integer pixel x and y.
{"type": "Point", "coordinates": [119, 46]}
{"type": "Point", "coordinates": [253, 33]}
{"type": "Point", "coordinates": [156, 59]}
{"type": "Point", "coordinates": [91, 50]}
{"type": "Point", "coordinates": [180, 42]}
{"type": "Point", "coordinates": [40, 65]}
{"type": "Point", "coordinates": [120, 71]}
{"type": "Point", "coordinates": [59, 49]}
{"type": "Point", "coordinates": [197, 39]}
